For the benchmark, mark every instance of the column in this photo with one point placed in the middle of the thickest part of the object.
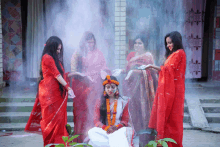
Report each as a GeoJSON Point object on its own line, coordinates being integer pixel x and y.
{"type": "Point", "coordinates": [2, 84]}
{"type": "Point", "coordinates": [120, 33]}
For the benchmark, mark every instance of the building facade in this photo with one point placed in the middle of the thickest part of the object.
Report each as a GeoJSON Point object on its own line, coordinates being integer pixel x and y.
{"type": "Point", "coordinates": [194, 22]}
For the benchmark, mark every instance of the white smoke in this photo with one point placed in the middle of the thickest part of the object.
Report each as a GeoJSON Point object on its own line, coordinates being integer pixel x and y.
{"type": "Point", "coordinates": [76, 17]}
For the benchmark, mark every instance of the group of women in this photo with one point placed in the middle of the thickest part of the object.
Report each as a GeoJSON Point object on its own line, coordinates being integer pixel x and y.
{"type": "Point", "coordinates": [102, 116]}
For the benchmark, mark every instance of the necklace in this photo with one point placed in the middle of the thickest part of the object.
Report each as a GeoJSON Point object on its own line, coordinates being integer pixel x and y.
{"type": "Point", "coordinates": [111, 123]}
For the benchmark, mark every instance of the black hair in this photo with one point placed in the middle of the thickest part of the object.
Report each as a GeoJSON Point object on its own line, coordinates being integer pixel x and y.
{"type": "Point", "coordinates": [83, 51]}
{"type": "Point", "coordinates": [103, 109]}
{"type": "Point", "coordinates": [176, 40]}
{"type": "Point", "coordinates": [51, 49]}
{"type": "Point", "coordinates": [144, 38]}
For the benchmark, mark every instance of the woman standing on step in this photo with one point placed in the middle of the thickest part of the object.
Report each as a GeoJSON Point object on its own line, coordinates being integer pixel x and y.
{"type": "Point", "coordinates": [87, 63]}
{"type": "Point", "coordinates": [49, 112]}
{"type": "Point", "coordinates": [168, 108]}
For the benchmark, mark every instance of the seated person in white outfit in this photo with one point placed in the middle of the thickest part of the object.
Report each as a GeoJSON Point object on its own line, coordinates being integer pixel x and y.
{"type": "Point", "coordinates": [111, 118]}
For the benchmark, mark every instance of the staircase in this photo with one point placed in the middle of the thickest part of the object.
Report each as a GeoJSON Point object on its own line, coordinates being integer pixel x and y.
{"type": "Point", "coordinates": [16, 105]}
{"type": "Point", "coordinates": [15, 112]}
{"type": "Point", "coordinates": [186, 118]}
{"type": "Point", "coordinates": [211, 108]}
{"type": "Point", "coordinates": [15, 109]}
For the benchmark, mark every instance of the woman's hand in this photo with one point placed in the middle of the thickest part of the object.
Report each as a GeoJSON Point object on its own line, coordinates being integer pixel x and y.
{"type": "Point", "coordinates": [90, 78]}
{"type": "Point", "coordinates": [76, 73]}
{"type": "Point", "coordinates": [129, 75]}
{"type": "Point", "coordinates": [117, 72]}
{"type": "Point", "coordinates": [71, 93]}
{"type": "Point", "coordinates": [103, 74]}
{"type": "Point", "coordinates": [143, 67]}
{"type": "Point", "coordinates": [112, 129]}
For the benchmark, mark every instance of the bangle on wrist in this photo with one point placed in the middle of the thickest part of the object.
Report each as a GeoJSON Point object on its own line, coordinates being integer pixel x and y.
{"type": "Point", "coordinates": [119, 126]}
{"type": "Point", "coordinates": [106, 128]}
{"type": "Point", "coordinates": [67, 86]}
{"type": "Point", "coordinates": [103, 127]}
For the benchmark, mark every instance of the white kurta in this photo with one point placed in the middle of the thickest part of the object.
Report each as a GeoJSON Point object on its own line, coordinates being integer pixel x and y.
{"type": "Point", "coordinates": [120, 138]}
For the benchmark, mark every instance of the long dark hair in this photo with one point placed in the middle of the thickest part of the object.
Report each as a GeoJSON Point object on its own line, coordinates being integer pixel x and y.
{"type": "Point", "coordinates": [176, 40]}
{"type": "Point", "coordinates": [50, 48]}
{"type": "Point", "coordinates": [83, 50]}
{"type": "Point", "coordinates": [103, 109]}
{"type": "Point", "coordinates": [144, 38]}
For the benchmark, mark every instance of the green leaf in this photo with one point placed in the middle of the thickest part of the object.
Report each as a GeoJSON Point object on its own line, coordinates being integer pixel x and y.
{"type": "Point", "coordinates": [72, 133]}
{"type": "Point", "coordinates": [68, 128]}
{"type": "Point", "coordinates": [73, 143]}
{"type": "Point", "coordinates": [79, 144]}
{"type": "Point", "coordinates": [160, 141]}
{"type": "Point", "coordinates": [170, 140]}
{"type": "Point", "coordinates": [73, 137]}
{"type": "Point", "coordinates": [65, 138]}
{"type": "Point", "coordinates": [60, 145]}
{"type": "Point", "coordinates": [164, 144]}
{"type": "Point", "coordinates": [149, 145]}
{"type": "Point", "coordinates": [153, 143]}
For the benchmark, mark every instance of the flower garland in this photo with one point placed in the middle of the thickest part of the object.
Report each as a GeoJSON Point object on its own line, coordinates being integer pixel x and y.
{"type": "Point", "coordinates": [111, 123]}
{"type": "Point", "coordinates": [109, 81]}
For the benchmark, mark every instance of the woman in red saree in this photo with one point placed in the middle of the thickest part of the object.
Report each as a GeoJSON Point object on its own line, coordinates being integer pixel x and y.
{"type": "Point", "coordinates": [49, 112]}
{"type": "Point", "coordinates": [168, 108]}
{"type": "Point", "coordinates": [86, 67]}
{"type": "Point", "coordinates": [140, 86]}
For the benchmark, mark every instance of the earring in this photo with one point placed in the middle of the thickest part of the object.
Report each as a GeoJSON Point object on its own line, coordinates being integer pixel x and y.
{"type": "Point", "coordinates": [104, 93]}
{"type": "Point", "coordinates": [116, 93]}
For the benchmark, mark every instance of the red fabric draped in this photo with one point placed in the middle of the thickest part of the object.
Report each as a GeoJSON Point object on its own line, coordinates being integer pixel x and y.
{"type": "Point", "coordinates": [86, 91]}
{"type": "Point", "coordinates": [49, 110]}
{"type": "Point", "coordinates": [80, 110]}
{"type": "Point", "coordinates": [168, 108]}
{"type": "Point", "coordinates": [140, 87]}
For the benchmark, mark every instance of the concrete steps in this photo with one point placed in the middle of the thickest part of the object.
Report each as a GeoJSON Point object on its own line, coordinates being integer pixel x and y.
{"type": "Point", "coordinates": [18, 126]}
{"type": "Point", "coordinates": [24, 106]}
{"type": "Point", "coordinates": [15, 112]}
{"type": "Point", "coordinates": [22, 117]}
{"type": "Point", "coordinates": [211, 111]}
{"type": "Point", "coordinates": [211, 108]}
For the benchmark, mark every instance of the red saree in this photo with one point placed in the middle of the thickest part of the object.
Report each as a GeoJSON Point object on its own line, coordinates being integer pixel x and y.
{"type": "Point", "coordinates": [140, 87]}
{"type": "Point", "coordinates": [168, 108]}
{"type": "Point", "coordinates": [86, 91]}
{"type": "Point", "coordinates": [82, 90]}
{"type": "Point", "coordinates": [49, 110]}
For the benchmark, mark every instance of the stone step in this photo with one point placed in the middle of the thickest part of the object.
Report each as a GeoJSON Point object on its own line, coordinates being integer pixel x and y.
{"type": "Point", "coordinates": [29, 99]}
{"type": "Point", "coordinates": [186, 108]}
{"type": "Point", "coordinates": [21, 126]}
{"type": "Point", "coordinates": [27, 105]}
{"type": "Point", "coordinates": [217, 100]}
{"type": "Point", "coordinates": [186, 118]}
{"type": "Point", "coordinates": [24, 106]}
{"type": "Point", "coordinates": [22, 117]}
{"type": "Point", "coordinates": [18, 126]}
{"type": "Point", "coordinates": [211, 107]}
{"type": "Point", "coordinates": [187, 126]}
{"type": "Point", "coordinates": [214, 127]}
{"type": "Point", "coordinates": [213, 117]}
